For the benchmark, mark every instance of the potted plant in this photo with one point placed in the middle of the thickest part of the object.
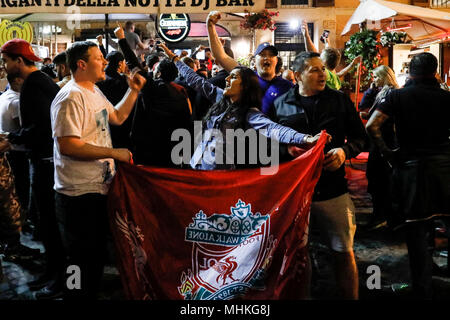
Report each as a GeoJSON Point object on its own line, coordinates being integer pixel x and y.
{"type": "Point", "coordinates": [388, 38]}
{"type": "Point", "coordinates": [262, 20]}
{"type": "Point", "coordinates": [364, 43]}
{"type": "Point", "coordinates": [244, 61]}
{"type": "Point", "coordinates": [259, 20]}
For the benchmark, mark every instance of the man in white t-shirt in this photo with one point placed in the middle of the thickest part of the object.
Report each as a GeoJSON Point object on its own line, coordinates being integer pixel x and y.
{"type": "Point", "coordinates": [9, 105]}
{"type": "Point", "coordinates": [84, 161]}
{"type": "Point", "coordinates": [10, 122]}
{"type": "Point", "coordinates": [3, 80]}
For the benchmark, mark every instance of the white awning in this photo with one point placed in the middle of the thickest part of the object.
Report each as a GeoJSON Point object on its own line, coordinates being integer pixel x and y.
{"type": "Point", "coordinates": [425, 23]}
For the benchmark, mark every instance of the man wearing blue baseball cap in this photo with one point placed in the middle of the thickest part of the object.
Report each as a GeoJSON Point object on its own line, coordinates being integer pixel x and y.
{"type": "Point", "coordinates": [265, 60]}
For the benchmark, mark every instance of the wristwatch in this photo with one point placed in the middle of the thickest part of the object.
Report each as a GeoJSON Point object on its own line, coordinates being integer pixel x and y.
{"type": "Point", "coordinates": [306, 137]}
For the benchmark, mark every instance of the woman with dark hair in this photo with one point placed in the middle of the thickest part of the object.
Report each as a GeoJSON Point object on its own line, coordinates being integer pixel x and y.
{"type": "Point", "coordinates": [235, 107]}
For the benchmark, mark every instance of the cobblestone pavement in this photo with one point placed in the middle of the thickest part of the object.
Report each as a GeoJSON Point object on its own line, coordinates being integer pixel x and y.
{"type": "Point", "coordinates": [14, 285]}
{"type": "Point", "coordinates": [382, 248]}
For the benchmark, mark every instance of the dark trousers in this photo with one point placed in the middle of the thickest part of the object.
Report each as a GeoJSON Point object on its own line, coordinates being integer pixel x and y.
{"type": "Point", "coordinates": [379, 177]}
{"type": "Point", "coordinates": [41, 179]}
{"type": "Point", "coordinates": [84, 224]}
{"type": "Point", "coordinates": [420, 242]}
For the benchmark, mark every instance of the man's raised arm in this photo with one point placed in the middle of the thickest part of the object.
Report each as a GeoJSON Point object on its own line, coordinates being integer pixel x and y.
{"type": "Point", "coordinates": [123, 109]}
{"type": "Point", "coordinates": [309, 45]}
{"type": "Point", "coordinates": [217, 50]}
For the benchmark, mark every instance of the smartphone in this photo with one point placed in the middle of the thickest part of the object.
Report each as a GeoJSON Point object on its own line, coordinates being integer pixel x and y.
{"type": "Point", "coordinates": [200, 55]}
{"type": "Point", "coordinates": [324, 35]}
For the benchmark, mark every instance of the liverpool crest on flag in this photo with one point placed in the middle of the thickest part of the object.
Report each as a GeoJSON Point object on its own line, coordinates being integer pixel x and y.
{"type": "Point", "coordinates": [214, 235]}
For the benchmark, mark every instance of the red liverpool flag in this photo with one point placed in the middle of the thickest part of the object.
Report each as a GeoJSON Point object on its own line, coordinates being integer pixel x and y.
{"type": "Point", "coordinates": [214, 235]}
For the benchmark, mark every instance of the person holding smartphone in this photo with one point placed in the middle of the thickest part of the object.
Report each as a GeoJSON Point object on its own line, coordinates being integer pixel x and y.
{"type": "Point", "coordinates": [324, 36]}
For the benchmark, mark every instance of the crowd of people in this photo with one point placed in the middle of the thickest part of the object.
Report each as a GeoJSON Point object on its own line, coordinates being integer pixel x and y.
{"type": "Point", "coordinates": [71, 125]}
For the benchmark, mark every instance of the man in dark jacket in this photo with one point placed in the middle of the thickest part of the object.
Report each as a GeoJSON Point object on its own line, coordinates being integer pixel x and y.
{"type": "Point", "coordinates": [310, 107]}
{"type": "Point", "coordinates": [202, 104]}
{"type": "Point", "coordinates": [421, 165]}
{"type": "Point", "coordinates": [47, 68]}
{"type": "Point", "coordinates": [114, 88]}
{"type": "Point", "coordinates": [192, 94]}
{"type": "Point", "coordinates": [162, 107]}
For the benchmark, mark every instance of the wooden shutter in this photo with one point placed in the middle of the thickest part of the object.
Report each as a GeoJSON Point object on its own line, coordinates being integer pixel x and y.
{"type": "Point", "coordinates": [323, 3]}
{"type": "Point", "coordinates": [270, 4]}
{"type": "Point", "coordinates": [420, 3]}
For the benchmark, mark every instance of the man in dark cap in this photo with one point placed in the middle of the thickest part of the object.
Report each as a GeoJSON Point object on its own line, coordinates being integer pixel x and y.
{"type": "Point", "coordinates": [421, 166]}
{"type": "Point", "coordinates": [266, 62]}
{"type": "Point", "coordinates": [36, 96]}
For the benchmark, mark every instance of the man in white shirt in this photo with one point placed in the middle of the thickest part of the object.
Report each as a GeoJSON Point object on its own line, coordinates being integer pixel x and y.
{"type": "Point", "coordinates": [17, 155]}
{"type": "Point", "coordinates": [3, 80]}
{"type": "Point", "coordinates": [14, 178]}
{"type": "Point", "coordinates": [9, 105]}
{"type": "Point", "coordinates": [84, 161]}
{"type": "Point", "coordinates": [10, 122]}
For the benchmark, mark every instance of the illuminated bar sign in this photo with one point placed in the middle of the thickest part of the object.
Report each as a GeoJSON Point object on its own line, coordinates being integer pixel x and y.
{"type": "Point", "coordinates": [128, 6]}
{"type": "Point", "coordinates": [173, 27]}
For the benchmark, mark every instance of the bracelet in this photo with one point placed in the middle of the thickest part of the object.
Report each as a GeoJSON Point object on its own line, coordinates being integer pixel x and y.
{"type": "Point", "coordinates": [173, 58]}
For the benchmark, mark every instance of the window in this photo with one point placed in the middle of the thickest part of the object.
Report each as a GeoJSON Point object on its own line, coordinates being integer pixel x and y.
{"type": "Point", "coordinates": [294, 2]}
{"type": "Point", "coordinates": [270, 4]}
{"type": "Point", "coordinates": [437, 3]}
{"type": "Point", "coordinates": [290, 42]}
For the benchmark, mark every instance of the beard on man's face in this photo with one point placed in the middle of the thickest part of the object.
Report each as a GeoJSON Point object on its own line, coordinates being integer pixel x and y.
{"type": "Point", "coordinates": [265, 68]}
{"type": "Point", "coordinates": [14, 72]}
{"type": "Point", "coordinates": [266, 72]}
